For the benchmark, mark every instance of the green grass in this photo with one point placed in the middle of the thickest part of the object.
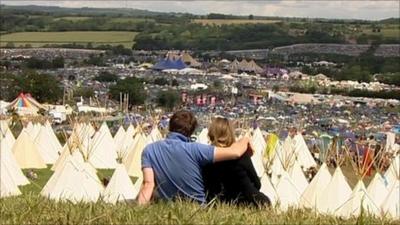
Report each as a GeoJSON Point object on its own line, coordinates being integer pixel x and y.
{"type": "Point", "coordinates": [31, 208]}
{"type": "Point", "coordinates": [37, 39]}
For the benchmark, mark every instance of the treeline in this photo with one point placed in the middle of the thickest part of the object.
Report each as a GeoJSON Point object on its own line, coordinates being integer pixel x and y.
{"type": "Point", "coordinates": [44, 87]}
{"type": "Point", "coordinates": [228, 37]}
{"type": "Point", "coordinates": [388, 94]}
{"type": "Point", "coordinates": [23, 23]}
{"type": "Point", "coordinates": [361, 68]}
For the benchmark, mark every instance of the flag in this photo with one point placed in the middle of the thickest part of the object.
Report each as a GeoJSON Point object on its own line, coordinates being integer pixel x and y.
{"type": "Point", "coordinates": [271, 145]}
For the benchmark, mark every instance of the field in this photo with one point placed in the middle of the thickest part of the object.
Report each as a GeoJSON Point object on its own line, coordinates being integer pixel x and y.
{"type": "Point", "coordinates": [33, 209]}
{"type": "Point", "coordinates": [73, 18]}
{"type": "Point", "coordinates": [231, 21]}
{"type": "Point", "coordinates": [38, 39]}
{"type": "Point", "coordinates": [386, 32]}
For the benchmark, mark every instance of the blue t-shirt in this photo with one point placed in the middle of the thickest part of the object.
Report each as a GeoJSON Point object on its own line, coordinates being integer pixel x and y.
{"type": "Point", "coordinates": [177, 165]}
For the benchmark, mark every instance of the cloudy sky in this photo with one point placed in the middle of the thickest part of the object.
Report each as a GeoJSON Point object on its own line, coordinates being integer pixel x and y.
{"type": "Point", "coordinates": [350, 9]}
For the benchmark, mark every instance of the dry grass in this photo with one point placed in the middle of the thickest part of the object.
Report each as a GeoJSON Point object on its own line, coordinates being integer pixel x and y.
{"type": "Point", "coordinates": [31, 208]}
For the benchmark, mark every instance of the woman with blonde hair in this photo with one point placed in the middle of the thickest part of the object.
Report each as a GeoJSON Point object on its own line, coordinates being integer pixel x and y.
{"type": "Point", "coordinates": [233, 181]}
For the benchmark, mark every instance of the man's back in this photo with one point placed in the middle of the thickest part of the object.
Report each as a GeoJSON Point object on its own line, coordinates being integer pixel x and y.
{"type": "Point", "coordinates": [177, 164]}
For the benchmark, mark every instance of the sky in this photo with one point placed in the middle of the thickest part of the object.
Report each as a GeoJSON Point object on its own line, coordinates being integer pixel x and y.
{"type": "Point", "coordinates": [350, 9]}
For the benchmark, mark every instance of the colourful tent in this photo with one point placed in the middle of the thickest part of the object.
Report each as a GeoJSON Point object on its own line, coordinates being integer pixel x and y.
{"type": "Point", "coordinates": [25, 104]}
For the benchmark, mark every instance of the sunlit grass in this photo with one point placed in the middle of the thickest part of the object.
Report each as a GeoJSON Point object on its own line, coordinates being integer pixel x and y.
{"type": "Point", "coordinates": [31, 208]}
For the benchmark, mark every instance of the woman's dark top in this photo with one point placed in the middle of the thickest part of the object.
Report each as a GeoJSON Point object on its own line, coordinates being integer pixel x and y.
{"type": "Point", "coordinates": [234, 181]}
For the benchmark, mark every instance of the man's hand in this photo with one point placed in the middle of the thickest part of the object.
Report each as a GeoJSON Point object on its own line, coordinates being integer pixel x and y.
{"type": "Point", "coordinates": [235, 151]}
{"type": "Point", "coordinates": [146, 191]}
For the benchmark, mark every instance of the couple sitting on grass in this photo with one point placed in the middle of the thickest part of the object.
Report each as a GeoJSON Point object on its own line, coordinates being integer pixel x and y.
{"type": "Point", "coordinates": [179, 168]}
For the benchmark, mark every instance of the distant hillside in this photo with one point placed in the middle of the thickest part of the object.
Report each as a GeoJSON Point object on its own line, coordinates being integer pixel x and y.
{"type": "Point", "coordinates": [60, 11]}
{"type": "Point", "coordinates": [160, 30]}
{"type": "Point", "coordinates": [130, 12]}
{"type": "Point", "coordinates": [391, 20]}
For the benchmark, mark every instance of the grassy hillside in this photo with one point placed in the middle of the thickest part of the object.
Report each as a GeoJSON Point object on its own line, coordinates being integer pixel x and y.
{"type": "Point", "coordinates": [33, 209]}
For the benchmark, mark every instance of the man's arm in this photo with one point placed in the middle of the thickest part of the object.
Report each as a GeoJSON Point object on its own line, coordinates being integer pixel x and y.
{"type": "Point", "coordinates": [146, 191]}
{"type": "Point", "coordinates": [236, 150]}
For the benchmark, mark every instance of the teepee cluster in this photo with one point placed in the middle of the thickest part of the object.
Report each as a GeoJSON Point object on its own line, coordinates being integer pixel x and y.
{"type": "Point", "coordinates": [327, 193]}
{"type": "Point", "coordinates": [11, 175]}
{"type": "Point", "coordinates": [87, 150]}
{"type": "Point", "coordinates": [280, 166]}
{"type": "Point", "coordinates": [75, 164]}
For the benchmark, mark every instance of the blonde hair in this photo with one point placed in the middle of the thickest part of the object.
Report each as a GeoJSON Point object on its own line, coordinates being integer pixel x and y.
{"type": "Point", "coordinates": [221, 132]}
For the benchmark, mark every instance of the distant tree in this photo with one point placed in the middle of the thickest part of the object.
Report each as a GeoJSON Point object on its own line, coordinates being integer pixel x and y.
{"type": "Point", "coordinates": [89, 45]}
{"type": "Point", "coordinates": [160, 81]}
{"type": "Point", "coordinates": [132, 86]}
{"type": "Point", "coordinates": [275, 88]}
{"type": "Point", "coordinates": [174, 83]}
{"type": "Point", "coordinates": [217, 84]}
{"type": "Point", "coordinates": [58, 62]}
{"type": "Point", "coordinates": [95, 60]}
{"type": "Point", "coordinates": [106, 77]}
{"type": "Point", "coordinates": [35, 63]}
{"type": "Point", "coordinates": [121, 50]}
{"type": "Point", "coordinates": [10, 45]}
{"type": "Point", "coordinates": [251, 17]}
{"type": "Point", "coordinates": [168, 99]}
{"type": "Point", "coordinates": [85, 92]}
{"type": "Point", "coordinates": [43, 87]}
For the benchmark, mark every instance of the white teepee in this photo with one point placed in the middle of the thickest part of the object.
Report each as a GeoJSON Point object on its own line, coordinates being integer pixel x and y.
{"type": "Point", "coordinates": [46, 147]}
{"type": "Point", "coordinates": [7, 134]}
{"type": "Point", "coordinates": [155, 135]}
{"type": "Point", "coordinates": [298, 177]}
{"type": "Point", "coordinates": [27, 153]}
{"type": "Point", "coordinates": [76, 181]}
{"type": "Point", "coordinates": [391, 204]}
{"type": "Point", "coordinates": [53, 138]}
{"type": "Point", "coordinates": [120, 187]}
{"type": "Point", "coordinates": [133, 159]}
{"type": "Point", "coordinates": [257, 158]}
{"type": "Point", "coordinates": [316, 187]}
{"type": "Point", "coordinates": [127, 143]}
{"type": "Point", "coordinates": [119, 136]}
{"type": "Point", "coordinates": [258, 141]}
{"type": "Point", "coordinates": [335, 194]}
{"type": "Point", "coordinates": [378, 189]}
{"type": "Point", "coordinates": [102, 151]}
{"type": "Point", "coordinates": [303, 153]}
{"type": "Point", "coordinates": [62, 158]}
{"type": "Point", "coordinates": [203, 136]}
{"type": "Point", "coordinates": [393, 172]}
{"type": "Point", "coordinates": [276, 167]}
{"type": "Point", "coordinates": [268, 189]}
{"type": "Point", "coordinates": [288, 195]}
{"type": "Point", "coordinates": [358, 200]}
{"type": "Point", "coordinates": [9, 163]}
{"type": "Point", "coordinates": [7, 185]}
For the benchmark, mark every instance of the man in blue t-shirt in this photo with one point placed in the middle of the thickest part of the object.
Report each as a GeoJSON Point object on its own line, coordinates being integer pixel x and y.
{"type": "Point", "coordinates": [173, 166]}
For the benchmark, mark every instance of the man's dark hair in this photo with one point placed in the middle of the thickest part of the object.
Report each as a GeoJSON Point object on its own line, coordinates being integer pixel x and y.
{"type": "Point", "coordinates": [183, 122]}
